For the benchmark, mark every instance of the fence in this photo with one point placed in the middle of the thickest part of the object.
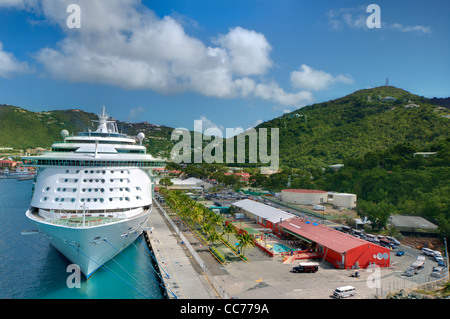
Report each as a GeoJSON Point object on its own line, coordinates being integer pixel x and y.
{"type": "Point", "coordinates": [220, 291]}
{"type": "Point", "coordinates": [424, 282]}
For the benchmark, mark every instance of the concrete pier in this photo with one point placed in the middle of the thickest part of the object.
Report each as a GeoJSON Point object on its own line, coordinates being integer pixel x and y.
{"type": "Point", "coordinates": [182, 277]}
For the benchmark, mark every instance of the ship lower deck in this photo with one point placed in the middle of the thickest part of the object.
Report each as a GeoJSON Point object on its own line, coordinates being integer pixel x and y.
{"type": "Point", "coordinates": [90, 244]}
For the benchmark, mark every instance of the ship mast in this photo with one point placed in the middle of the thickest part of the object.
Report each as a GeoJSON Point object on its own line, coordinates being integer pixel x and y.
{"type": "Point", "coordinates": [103, 123]}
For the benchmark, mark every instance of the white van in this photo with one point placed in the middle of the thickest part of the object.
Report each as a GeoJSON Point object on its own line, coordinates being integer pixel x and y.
{"type": "Point", "coordinates": [344, 292]}
{"type": "Point", "coordinates": [428, 251]}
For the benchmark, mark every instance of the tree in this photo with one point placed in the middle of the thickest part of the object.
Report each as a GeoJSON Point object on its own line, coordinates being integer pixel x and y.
{"type": "Point", "coordinates": [377, 213]}
{"type": "Point", "coordinates": [213, 236]}
{"type": "Point", "coordinates": [216, 219]}
{"type": "Point", "coordinates": [245, 240]}
{"type": "Point", "coordinates": [227, 230]}
{"type": "Point", "coordinates": [165, 181]}
{"type": "Point", "coordinates": [207, 229]}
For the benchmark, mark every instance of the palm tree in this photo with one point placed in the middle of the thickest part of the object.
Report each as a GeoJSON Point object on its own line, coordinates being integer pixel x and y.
{"type": "Point", "coordinates": [228, 229]}
{"type": "Point", "coordinates": [207, 228]}
{"type": "Point", "coordinates": [197, 214]}
{"type": "Point", "coordinates": [216, 220]}
{"type": "Point", "coordinates": [213, 236]}
{"type": "Point", "coordinates": [246, 240]}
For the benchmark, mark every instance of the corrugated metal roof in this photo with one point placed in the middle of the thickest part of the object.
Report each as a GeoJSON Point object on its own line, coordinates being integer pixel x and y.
{"type": "Point", "coordinates": [323, 235]}
{"type": "Point", "coordinates": [272, 214]}
{"type": "Point", "coordinates": [411, 222]}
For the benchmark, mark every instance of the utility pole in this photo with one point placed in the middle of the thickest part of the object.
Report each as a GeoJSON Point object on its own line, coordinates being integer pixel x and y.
{"type": "Point", "coordinates": [446, 251]}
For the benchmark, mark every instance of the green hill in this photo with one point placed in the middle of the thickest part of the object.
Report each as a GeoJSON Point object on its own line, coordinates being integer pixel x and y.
{"type": "Point", "coordinates": [21, 129]}
{"type": "Point", "coordinates": [328, 133]}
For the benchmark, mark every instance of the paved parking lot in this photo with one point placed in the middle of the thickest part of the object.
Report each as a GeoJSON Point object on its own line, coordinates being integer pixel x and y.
{"type": "Point", "coordinates": [265, 277]}
{"type": "Point", "coordinates": [269, 278]}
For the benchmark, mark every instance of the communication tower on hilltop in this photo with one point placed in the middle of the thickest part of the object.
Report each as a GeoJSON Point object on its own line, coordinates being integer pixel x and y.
{"type": "Point", "coordinates": [387, 81]}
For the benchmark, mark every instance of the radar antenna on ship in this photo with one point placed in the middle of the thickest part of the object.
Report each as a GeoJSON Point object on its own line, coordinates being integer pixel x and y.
{"type": "Point", "coordinates": [105, 126]}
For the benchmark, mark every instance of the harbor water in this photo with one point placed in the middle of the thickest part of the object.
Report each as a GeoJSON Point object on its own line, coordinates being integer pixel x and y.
{"type": "Point", "coordinates": [30, 268]}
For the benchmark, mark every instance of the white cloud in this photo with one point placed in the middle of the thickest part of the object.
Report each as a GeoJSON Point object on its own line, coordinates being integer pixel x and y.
{"type": "Point", "coordinates": [350, 17]}
{"type": "Point", "coordinates": [135, 114]}
{"type": "Point", "coordinates": [259, 121]}
{"type": "Point", "coordinates": [248, 51]}
{"type": "Point", "coordinates": [125, 44]}
{"type": "Point", "coordinates": [356, 17]}
{"type": "Point", "coordinates": [417, 28]}
{"type": "Point", "coordinates": [18, 3]}
{"type": "Point", "coordinates": [276, 94]}
{"type": "Point", "coordinates": [9, 65]}
{"type": "Point", "coordinates": [310, 79]}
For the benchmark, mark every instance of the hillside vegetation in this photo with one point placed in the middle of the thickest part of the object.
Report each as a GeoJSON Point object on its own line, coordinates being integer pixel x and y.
{"type": "Point", "coordinates": [21, 129]}
{"type": "Point", "coordinates": [328, 133]}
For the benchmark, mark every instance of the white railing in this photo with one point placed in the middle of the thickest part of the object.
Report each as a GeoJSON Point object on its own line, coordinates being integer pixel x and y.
{"type": "Point", "coordinates": [80, 223]}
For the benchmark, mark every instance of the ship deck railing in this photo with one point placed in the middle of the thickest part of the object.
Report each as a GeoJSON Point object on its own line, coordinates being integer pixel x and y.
{"type": "Point", "coordinates": [78, 221]}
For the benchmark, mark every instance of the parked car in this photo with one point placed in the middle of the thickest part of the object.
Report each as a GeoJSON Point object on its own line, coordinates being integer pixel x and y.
{"type": "Point", "coordinates": [439, 260]}
{"type": "Point", "coordinates": [387, 243]}
{"type": "Point", "coordinates": [439, 271]}
{"type": "Point", "coordinates": [372, 238]}
{"type": "Point", "coordinates": [409, 272]}
{"type": "Point", "coordinates": [393, 240]}
{"type": "Point", "coordinates": [428, 251]}
{"type": "Point", "coordinates": [437, 254]}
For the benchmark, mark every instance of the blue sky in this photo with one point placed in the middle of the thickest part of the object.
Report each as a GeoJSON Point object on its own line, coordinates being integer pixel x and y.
{"type": "Point", "coordinates": [230, 63]}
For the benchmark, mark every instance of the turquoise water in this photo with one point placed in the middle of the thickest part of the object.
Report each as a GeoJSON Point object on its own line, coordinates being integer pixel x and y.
{"type": "Point", "coordinates": [280, 248]}
{"type": "Point", "coordinates": [30, 268]}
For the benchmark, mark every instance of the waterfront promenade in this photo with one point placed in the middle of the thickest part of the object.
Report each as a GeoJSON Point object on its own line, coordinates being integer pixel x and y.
{"type": "Point", "coordinates": [182, 277]}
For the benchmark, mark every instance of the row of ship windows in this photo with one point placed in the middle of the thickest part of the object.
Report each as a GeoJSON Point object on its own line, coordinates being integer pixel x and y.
{"type": "Point", "coordinates": [91, 180]}
{"type": "Point", "coordinates": [59, 189]}
{"type": "Point", "coordinates": [82, 200]}
{"type": "Point", "coordinates": [98, 171]}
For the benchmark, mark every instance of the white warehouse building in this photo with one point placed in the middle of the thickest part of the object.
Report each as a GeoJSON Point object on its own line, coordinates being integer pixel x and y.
{"type": "Point", "coordinates": [342, 199]}
{"type": "Point", "coordinates": [304, 196]}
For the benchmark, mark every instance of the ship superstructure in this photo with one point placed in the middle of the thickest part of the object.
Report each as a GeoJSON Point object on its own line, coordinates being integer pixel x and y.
{"type": "Point", "coordinates": [93, 193]}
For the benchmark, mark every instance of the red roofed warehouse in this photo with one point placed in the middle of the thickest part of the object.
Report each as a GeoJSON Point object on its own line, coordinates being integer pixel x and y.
{"type": "Point", "coordinates": [338, 248]}
{"type": "Point", "coordinates": [304, 196]}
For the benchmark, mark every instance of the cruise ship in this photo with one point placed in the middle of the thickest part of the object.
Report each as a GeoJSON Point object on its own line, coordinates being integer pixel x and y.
{"type": "Point", "coordinates": [93, 193]}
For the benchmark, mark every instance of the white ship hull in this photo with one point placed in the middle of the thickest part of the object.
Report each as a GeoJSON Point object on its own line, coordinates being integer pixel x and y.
{"type": "Point", "coordinates": [91, 247]}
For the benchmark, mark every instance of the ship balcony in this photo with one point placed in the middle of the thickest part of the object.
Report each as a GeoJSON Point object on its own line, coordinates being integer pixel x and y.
{"type": "Point", "coordinates": [86, 219]}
